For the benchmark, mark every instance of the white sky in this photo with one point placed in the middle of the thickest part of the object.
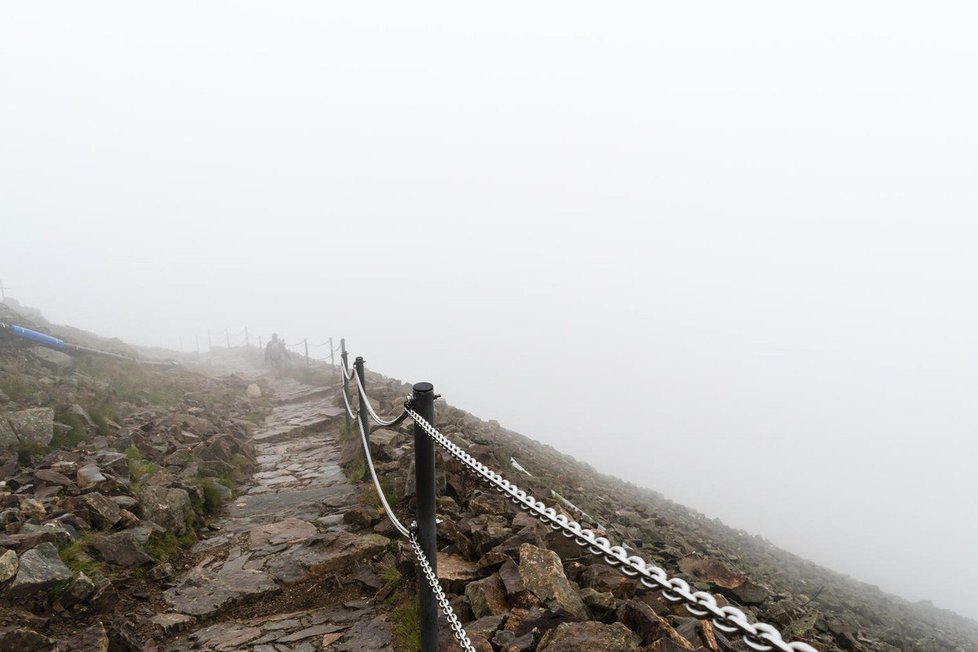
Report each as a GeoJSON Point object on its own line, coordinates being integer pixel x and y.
{"type": "Point", "coordinates": [723, 250]}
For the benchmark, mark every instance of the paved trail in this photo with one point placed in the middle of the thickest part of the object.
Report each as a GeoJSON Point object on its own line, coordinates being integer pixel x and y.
{"type": "Point", "coordinates": [266, 580]}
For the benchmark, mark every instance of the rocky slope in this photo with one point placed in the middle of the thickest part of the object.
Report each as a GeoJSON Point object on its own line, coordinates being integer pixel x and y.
{"type": "Point", "coordinates": [519, 586]}
{"type": "Point", "coordinates": [192, 508]}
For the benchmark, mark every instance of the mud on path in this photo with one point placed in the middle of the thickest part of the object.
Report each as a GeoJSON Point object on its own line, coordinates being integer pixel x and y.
{"type": "Point", "coordinates": [274, 576]}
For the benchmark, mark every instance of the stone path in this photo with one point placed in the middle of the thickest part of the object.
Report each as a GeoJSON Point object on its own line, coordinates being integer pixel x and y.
{"type": "Point", "coordinates": [285, 530]}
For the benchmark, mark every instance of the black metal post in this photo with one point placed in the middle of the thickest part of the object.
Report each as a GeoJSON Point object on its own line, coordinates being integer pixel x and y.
{"type": "Point", "coordinates": [424, 468]}
{"type": "Point", "coordinates": [346, 381]}
{"type": "Point", "coordinates": [358, 367]}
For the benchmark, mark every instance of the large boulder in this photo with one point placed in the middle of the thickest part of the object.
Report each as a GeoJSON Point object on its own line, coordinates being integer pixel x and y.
{"type": "Point", "coordinates": [168, 507]}
{"type": "Point", "coordinates": [543, 575]}
{"type": "Point", "coordinates": [34, 426]}
{"type": "Point", "coordinates": [39, 569]}
{"type": "Point", "coordinates": [126, 548]}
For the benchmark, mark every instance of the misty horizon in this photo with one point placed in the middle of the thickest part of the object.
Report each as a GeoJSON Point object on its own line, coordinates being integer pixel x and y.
{"type": "Point", "coordinates": [734, 247]}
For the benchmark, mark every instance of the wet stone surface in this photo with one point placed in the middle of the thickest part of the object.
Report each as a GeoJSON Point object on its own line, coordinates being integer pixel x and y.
{"type": "Point", "coordinates": [284, 528]}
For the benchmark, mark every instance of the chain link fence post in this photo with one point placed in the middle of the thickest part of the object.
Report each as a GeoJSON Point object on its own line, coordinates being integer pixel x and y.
{"type": "Point", "coordinates": [423, 402]}
{"type": "Point", "coordinates": [346, 381]}
{"type": "Point", "coordinates": [363, 414]}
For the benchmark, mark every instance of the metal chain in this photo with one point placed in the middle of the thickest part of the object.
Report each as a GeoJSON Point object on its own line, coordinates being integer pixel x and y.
{"type": "Point", "coordinates": [730, 620]}
{"type": "Point", "coordinates": [366, 402]}
{"type": "Point", "coordinates": [380, 490]}
{"type": "Point", "coordinates": [446, 608]}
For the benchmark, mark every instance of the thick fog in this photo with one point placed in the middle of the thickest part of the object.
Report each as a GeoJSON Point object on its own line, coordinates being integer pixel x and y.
{"type": "Point", "coordinates": [722, 250]}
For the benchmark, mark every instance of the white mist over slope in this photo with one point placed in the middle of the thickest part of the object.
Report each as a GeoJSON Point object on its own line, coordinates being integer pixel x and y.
{"type": "Point", "coordinates": [724, 252]}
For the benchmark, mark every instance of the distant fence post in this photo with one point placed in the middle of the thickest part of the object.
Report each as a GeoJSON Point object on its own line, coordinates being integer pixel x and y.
{"type": "Point", "coordinates": [305, 343]}
{"type": "Point", "coordinates": [209, 346]}
{"type": "Point", "coordinates": [346, 381]}
{"type": "Point", "coordinates": [247, 339]}
{"type": "Point", "coordinates": [332, 355]}
{"type": "Point", "coordinates": [364, 418]}
{"type": "Point", "coordinates": [260, 345]}
{"type": "Point", "coordinates": [424, 468]}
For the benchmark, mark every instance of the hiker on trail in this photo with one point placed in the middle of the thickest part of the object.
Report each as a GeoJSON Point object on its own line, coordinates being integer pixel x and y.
{"type": "Point", "coordinates": [275, 352]}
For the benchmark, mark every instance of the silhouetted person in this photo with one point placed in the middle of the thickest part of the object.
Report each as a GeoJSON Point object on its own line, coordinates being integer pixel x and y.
{"type": "Point", "coordinates": [275, 352]}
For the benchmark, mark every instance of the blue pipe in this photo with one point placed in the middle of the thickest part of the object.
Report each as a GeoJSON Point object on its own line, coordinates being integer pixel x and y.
{"type": "Point", "coordinates": [34, 336]}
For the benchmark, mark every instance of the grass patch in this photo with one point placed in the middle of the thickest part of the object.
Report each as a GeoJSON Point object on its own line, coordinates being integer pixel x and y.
{"type": "Point", "coordinates": [389, 574]}
{"type": "Point", "coordinates": [163, 547]}
{"type": "Point", "coordinates": [348, 432]}
{"type": "Point", "coordinates": [27, 452]}
{"type": "Point", "coordinates": [77, 434]}
{"type": "Point", "coordinates": [59, 589]}
{"type": "Point", "coordinates": [75, 556]}
{"type": "Point", "coordinates": [139, 467]}
{"type": "Point", "coordinates": [16, 387]}
{"type": "Point", "coordinates": [213, 497]}
{"type": "Point", "coordinates": [356, 469]}
{"type": "Point", "coordinates": [406, 625]}
{"type": "Point", "coordinates": [374, 500]}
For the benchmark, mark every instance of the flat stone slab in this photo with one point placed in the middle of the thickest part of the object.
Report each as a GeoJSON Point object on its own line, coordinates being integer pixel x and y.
{"type": "Point", "coordinates": [304, 504]}
{"type": "Point", "coordinates": [290, 530]}
{"type": "Point", "coordinates": [204, 593]}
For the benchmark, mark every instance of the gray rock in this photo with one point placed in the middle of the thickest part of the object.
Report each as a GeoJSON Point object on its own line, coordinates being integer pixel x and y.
{"type": "Point", "coordinates": [253, 391]}
{"type": "Point", "coordinates": [8, 565]}
{"type": "Point", "coordinates": [80, 589]}
{"type": "Point", "coordinates": [113, 462]}
{"type": "Point", "coordinates": [126, 548]}
{"type": "Point", "coordinates": [51, 531]}
{"type": "Point", "coordinates": [91, 639]}
{"type": "Point", "coordinates": [171, 623]}
{"type": "Point", "coordinates": [750, 593]}
{"type": "Point", "coordinates": [105, 512]}
{"type": "Point", "coordinates": [167, 507]}
{"type": "Point", "coordinates": [52, 477]}
{"type": "Point", "coordinates": [90, 476]}
{"type": "Point", "coordinates": [53, 360]}
{"type": "Point", "coordinates": [34, 426]}
{"type": "Point", "coordinates": [80, 412]}
{"type": "Point", "coordinates": [40, 568]}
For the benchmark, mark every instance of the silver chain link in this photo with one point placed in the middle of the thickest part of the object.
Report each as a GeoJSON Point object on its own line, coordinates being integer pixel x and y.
{"type": "Point", "coordinates": [729, 619]}
{"type": "Point", "coordinates": [446, 608]}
